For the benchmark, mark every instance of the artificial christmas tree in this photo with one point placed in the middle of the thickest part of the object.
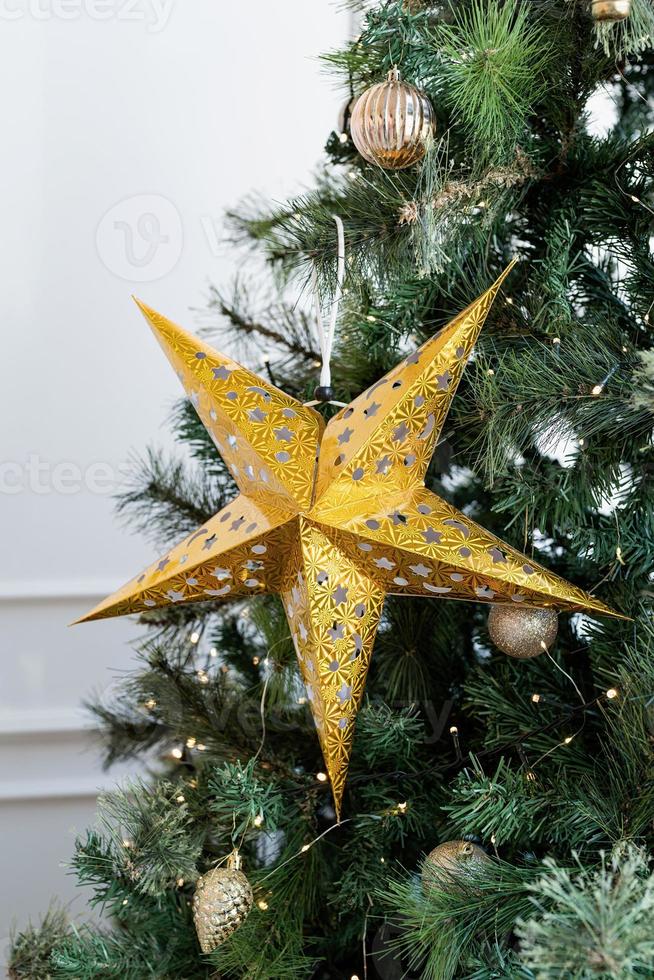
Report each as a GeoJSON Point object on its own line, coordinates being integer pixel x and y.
{"type": "Point", "coordinates": [542, 766]}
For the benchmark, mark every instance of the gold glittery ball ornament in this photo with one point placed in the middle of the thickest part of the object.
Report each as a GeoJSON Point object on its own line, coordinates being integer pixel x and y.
{"type": "Point", "coordinates": [450, 861]}
{"type": "Point", "coordinates": [223, 898]}
{"type": "Point", "coordinates": [522, 633]}
{"type": "Point", "coordinates": [391, 123]}
{"type": "Point", "coordinates": [610, 10]}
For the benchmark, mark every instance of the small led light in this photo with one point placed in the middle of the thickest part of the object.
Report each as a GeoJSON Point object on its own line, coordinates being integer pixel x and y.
{"type": "Point", "coordinates": [531, 776]}
{"type": "Point", "coordinates": [536, 698]}
{"type": "Point", "coordinates": [493, 839]}
{"type": "Point", "coordinates": [343, 137]}
{"type": "Point", "coordinates": [509, 301]}
{"type": "Point", "coordinates": [150, 703]}
{"type": "Point", "coordinates": [195, 637]}
{"type": "Point", "coordinates": [371, 319]}
{"type": "Point", "coordinates": [125, 901]}
{"type": "Point", "coordinates": [258, 820]}
{"type": "Point", "coordinates": [321, 777]}
{"type": "Point", "coordinates": [255, 661]}
{"type": "Point", "coordinates": [180, 882]}
{"type": "Point", "coordinates": [402, 807]}
{"type": "Point", "coordinates": [304, 848]}
{"type": "Point", "coordinates": [181, 798]}
{"type": "Point", "coordinates": [354, 976]}
{"type": "Point", "coordinates": [127, 843]}
{"type": "Point", "coordinates": [568, 739]}
{"type": "Point", "coordinates": [191, 743]}
{"type": "Point", "coordinates": [612, 693]}
{"type": "Point", "coordinates": [263, 905]}
{"type": "Point", "coordinates": [201, 748]}
{"type": "Point", "coordinates": [490, 372]}
{"type": "Point", "coordinates": [597, 390]}
{"type": "Point", "coordinates": [454, 730]}
{"type": "Point", "coordinates": [383, 860]}
{"type": "Point", "coordinates": [556, 340]}
{"type": "Point", "coordinates": [177, 753]}
{"type": "Point", "coordinates": [301, 700]}
{"type": "Point", "coordinates": [213, 652]}
{"type": "Point", "coordinates": [581, 442]}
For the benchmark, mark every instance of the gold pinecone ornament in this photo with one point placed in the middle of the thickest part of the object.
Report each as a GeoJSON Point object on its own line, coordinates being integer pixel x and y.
{"type": "Point", "coordinates": [223, 898]}
{"type": "Point", "coordinates": [452, 862]}
{"type": "Point", "coordinates": [522, 633]}
{"type": "Point", "coordinates": [606, 11]}
{"type": "Point", "coordinates": [391, 123]}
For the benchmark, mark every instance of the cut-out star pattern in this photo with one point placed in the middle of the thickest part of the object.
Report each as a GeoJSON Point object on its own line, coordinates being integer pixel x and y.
{"type": "Point", "coordinates": [338, 518]}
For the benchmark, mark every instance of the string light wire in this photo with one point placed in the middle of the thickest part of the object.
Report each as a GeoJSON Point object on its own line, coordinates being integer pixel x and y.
{"type": "Point", "coordinates": [305, 848]}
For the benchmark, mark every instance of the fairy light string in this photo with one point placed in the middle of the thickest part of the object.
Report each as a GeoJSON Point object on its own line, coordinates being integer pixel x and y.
{"type": "Point", "coordinates": [307, 847]}
{"type": "Point", "coordinates": [467, 758]}
{"type": "Point", "coordinates": [461, 761]}
{"type": "Point", "coordinates": [400, 809]}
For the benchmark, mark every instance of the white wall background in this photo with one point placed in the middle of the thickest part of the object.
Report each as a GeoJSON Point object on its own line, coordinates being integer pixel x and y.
{"type": "Point", "coordinates": [129, 126]}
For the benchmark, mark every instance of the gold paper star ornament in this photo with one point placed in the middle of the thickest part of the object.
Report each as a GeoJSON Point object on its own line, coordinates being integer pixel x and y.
{"type": "Point", "coordinates": [334, 517]}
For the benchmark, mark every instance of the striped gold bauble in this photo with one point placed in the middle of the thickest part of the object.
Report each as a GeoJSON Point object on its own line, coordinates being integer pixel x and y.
{"type": "Point", "coordinates": [610, 10]}
{"type": "Point", "coordinates": [391, 123]}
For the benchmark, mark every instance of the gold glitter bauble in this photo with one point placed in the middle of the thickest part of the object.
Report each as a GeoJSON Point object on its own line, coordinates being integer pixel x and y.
{"type": "Point", "coordinates": [522, 633]}
{"type": "Point", "coordinates": [223, 898]}
{"type": "Point", "coordinates": [391, 123]}
{"type": "Point", "coordinates": [610, 10]}
{"type": "Point", "coordinates": [451, 860]}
